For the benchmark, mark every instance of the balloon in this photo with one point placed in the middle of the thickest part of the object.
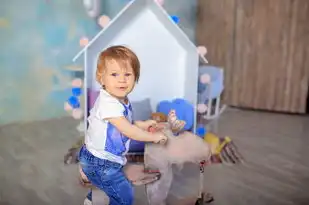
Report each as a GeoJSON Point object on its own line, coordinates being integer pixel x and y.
{"type": "Point", "coordinates": [74, 102]}
{"type": "Point", "coordinates": [201, 108]}
{"type": "Point", "coordinates": [205, 78]}
{"type": "Point", "coordinates": [76, 91]}
{"type": "Point", "coordinates": [202, 50]}
{"type": "Point", "coordinates": [77, 83]}
{"type": "Point", "coordinates": [67, 106]}
{"type": "Point", "coordinates": [103, 21]}
{"type": "Point", "coordinates": [83, 41]}
{"type": "Point", "coordinates": [201, 131]}
{"type": "Point", "coordinates": [160, 2]}
{"type": "Point", "coordinates": [77, 114]}
{"type": "Point", "coordinates": [175, 19]}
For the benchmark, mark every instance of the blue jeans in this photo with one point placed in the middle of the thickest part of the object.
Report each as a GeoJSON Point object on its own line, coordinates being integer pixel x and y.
{"type": "Point", "coordinates": [107, 176]}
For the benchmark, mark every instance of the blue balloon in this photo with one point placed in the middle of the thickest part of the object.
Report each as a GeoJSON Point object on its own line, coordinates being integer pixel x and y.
{"type": "Point", "coordinates": [74, 102]}
{"type": "Point", "coordinates": [175, 19]}
{"type": "Point", "coordinates": [76, 91]}
{"type": "Point", "coordinates": [201, 131]}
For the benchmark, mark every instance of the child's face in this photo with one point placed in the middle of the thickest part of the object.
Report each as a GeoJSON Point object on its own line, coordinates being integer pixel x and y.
{"type": "Point", "coordinates": [118, 81]}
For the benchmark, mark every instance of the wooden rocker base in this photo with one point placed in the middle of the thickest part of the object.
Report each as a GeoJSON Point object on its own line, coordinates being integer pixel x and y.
{"type": "Point", "coordinates": [136, 174]}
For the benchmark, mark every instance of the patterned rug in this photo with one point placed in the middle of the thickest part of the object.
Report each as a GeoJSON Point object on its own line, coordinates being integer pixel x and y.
{"type": "Point", "coordinates": [228, 155]}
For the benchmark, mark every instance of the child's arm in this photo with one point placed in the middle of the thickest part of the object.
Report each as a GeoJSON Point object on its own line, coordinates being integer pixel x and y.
{"type": "Point", "coordinates": [111, 110]}
{"type": "Point", "coordinates": [145, 124]}
{"type": "Point", "coordinates": [134, 132]}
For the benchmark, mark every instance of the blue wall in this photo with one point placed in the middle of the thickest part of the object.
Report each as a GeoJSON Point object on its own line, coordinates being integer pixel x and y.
{"type": "Point", "coordinates": [39, 39]}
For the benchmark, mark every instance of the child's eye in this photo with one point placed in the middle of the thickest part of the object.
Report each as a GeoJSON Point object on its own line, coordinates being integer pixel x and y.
{"type": "Point", "coordinates": [128, 74]}
{"type": "Point", "coordinates": [114, 74]}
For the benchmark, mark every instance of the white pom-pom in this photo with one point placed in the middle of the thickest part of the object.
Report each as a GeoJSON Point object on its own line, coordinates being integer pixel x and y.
{"type": "Point", "coordinates": [201, 108]}
{"type": "Point", "coordinates": [160, 2]}
{"type": "Point", "coordinates": [77, 83]}
{"type": "Point", "coordinates": [77, 114]}
{"type": "Point", "coordinates": [67, 107]}
{"type": "Point", "coordinates": [81, 127]}
{"type": "Point", "coordinates": [202, 50]}
{"type": "Point", "coordinates": [103, 21]}
{"type": "Point", "coordinates": [83, 41]}
{"type": "Point", "coordinates": [205, 78]}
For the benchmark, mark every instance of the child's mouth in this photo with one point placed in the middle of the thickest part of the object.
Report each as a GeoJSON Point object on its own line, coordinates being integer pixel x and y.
{"type": "Point", "coordinates": [122, 88]}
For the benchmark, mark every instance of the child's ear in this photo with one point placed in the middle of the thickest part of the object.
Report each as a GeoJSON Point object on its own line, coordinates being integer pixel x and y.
{"type": "Point", "coordinates": [102, 82]}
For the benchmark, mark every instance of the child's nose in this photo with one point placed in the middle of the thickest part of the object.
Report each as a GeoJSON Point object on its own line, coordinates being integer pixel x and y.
{"type": "Point", "coordinates": [122, 78]}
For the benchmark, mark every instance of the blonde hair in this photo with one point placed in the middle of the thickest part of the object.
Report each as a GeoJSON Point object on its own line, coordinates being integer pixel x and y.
{"type": "Point", "coordinates": [123, 56]}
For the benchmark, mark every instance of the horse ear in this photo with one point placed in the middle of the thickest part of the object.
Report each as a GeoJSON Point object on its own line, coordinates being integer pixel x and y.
{"type": "Point", "coordinates": [175, 124]}
{"type": "Point", "coordinates": [171, 117]}
{"type": "Point", "coordinates": [172, 112]}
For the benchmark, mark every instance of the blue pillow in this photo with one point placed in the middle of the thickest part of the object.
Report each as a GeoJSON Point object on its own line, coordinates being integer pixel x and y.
{"type": "Point", "coordinates": [184, 111]}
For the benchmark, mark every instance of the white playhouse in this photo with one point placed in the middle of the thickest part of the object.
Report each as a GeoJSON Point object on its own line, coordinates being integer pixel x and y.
{"type": "Point", "coordinates": [169, 60]}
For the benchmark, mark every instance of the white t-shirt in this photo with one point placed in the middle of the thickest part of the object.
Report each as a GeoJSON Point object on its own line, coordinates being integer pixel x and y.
{"type": "Point", "coordinates": [102, 139]}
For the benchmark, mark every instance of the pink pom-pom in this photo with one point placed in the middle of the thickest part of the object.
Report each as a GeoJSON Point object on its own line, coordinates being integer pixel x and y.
{"type": "Point", "coordinates": [103, 21]}
{"type": "Point", "coordinates": [201, 108]}
{"type": "Point", "coordinates": [160, 2]}
{"type": "Point", "coordinates": [77, 83]}
{"type": "Point", "coordinates": [77, 114]}
{"type": "Point", "coordinates": [205, 78]}
{"type": "Point", "coordinates": [83, 41]}
{"type": "Point", "coordinates": [202, 50]}
{"type": "Point", "coordinates": [67, 107]}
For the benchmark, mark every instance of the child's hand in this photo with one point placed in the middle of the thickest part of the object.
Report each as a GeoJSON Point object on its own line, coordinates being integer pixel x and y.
{"type": "Point", "coordinates": [159, 138]}
{"type": "Point", "coordinates": [146, 124]}
{"type": "Point", "coordinates": [156, 128]}
{"type": "Point", "coordinates": [150, 123]}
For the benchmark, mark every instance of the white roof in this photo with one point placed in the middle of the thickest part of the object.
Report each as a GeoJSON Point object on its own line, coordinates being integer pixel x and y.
{"type": "Point", "coordinates": [131, 11]}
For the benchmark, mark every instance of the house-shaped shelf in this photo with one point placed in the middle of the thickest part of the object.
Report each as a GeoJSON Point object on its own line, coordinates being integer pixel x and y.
{"type": "Point", "coordinates": [169, 60]}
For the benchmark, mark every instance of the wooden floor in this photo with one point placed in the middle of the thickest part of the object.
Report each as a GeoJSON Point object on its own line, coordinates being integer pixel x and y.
{"type": "Point", "coordinates": [275, 146]}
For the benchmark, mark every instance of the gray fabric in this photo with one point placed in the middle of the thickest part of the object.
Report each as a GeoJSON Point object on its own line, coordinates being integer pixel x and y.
{"type": "Point", "coordinates": [141, 109]}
